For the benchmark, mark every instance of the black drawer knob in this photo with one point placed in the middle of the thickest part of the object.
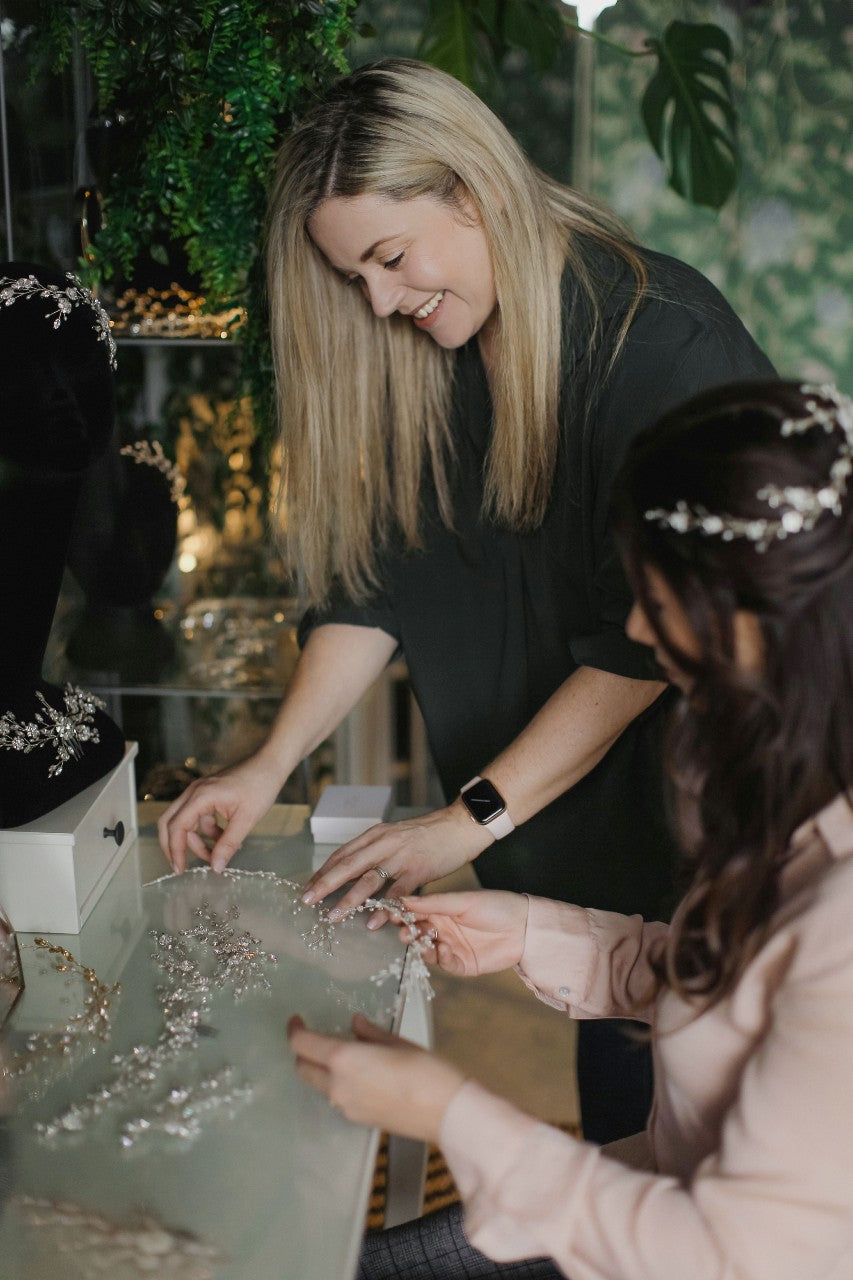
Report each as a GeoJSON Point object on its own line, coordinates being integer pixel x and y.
{"type": "Point", "coordinates": [117, 832]}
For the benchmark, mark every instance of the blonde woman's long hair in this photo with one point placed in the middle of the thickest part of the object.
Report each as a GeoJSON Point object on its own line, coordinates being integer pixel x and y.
{"type": "Point", "coordinates": [364, 403]}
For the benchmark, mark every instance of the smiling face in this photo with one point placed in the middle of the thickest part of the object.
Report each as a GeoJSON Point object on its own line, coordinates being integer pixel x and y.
{"type": "Point", "coordinates": [672, 621]}
{"type": "Point", "coordinates": [419, 257]}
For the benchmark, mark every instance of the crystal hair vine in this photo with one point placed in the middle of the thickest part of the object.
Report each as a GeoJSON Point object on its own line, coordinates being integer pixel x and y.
{"type": "Point", "coordinates": [73, 295]}
{"type": "Point", "coordinates": [149, 454]}
{"type": "Point", "coordinates": [66, 731]}
{"type": "Point", "coordinates": [210, 956]}
{"type": "Point", "coordinates": [804, 505]}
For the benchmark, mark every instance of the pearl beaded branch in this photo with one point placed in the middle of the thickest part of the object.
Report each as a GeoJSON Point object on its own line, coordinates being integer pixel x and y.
{"type": "Point", "coordinates": [804, 505]}
{"type": "Point", "coordinates": [142, 1245]}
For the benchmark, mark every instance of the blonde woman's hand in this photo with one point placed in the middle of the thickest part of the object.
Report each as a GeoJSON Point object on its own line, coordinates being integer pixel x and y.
{"type": "Point", "coordinates": [470, 933]}
{"type": "Point", "coordinates": [410, 853]}
{"type": "Point", "coordinates": [376, 1078]}
{"type": "Point", "coordinates": [214, 815]}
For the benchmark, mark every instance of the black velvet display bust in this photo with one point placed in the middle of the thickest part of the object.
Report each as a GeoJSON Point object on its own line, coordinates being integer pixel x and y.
{"type": "Point", "coordinates": [56, 418]}
{"type": "Point", "coordinates": [121, 548]}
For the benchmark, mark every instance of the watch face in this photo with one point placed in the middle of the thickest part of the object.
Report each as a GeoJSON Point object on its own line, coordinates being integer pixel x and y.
{"type": "Point", "coordinates": [483, 801]}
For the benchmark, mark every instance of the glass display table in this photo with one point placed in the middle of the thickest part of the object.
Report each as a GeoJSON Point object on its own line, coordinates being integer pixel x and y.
{"type": "Point", "coordinates": [184, 1144]}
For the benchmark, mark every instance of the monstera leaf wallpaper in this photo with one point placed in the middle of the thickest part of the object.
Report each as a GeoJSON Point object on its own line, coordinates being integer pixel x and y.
{"type": "Point", "coordinates": [781, 247]}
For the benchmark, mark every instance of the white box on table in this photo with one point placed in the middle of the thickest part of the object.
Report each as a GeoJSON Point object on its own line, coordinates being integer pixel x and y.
{"type": "Point", "coordinates": [105, 944]}
{"type": "Point", "coordinates": [54, 870]}
{"type": "Point", "coordinates": [342, 813]}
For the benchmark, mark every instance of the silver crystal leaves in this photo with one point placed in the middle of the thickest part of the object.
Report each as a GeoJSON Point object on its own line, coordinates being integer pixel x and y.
{"type": "Point", "coordinates": [65, 731]}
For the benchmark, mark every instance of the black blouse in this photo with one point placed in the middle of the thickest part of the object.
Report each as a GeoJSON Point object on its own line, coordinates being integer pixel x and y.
{"type": "Point", "coordinates": [491, 622]}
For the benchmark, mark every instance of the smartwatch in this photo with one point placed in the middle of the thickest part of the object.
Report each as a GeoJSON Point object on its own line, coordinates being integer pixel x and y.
{"type": "Point", "coordinates": [487, 807]}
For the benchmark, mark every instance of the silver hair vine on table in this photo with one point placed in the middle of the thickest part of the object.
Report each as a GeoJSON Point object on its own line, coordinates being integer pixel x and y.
{"type": "Point", "coordinates": [238, 964]}
{"type": "Point", "coordinates": [182, 1112]}
{"type": "Point", "coordinates": [411, 970]}
{"type": "Point", "coordinates": [323, 935]}
{"type": "Point", "coordinates": [804, 505]}
{"type": "Point", "coordinates": [73, 295]}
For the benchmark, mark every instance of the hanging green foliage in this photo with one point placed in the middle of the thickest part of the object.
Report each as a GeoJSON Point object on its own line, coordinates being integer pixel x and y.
{"type": "Point", "coordinates": [192, 100]}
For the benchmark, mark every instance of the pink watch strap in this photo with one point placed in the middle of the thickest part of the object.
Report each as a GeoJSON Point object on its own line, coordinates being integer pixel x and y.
{"type": "Point", "coordinates": [499, 826]}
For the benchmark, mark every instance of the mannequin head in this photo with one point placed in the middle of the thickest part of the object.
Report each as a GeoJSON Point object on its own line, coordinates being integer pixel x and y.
{"type": "Point", "coordinates": [56, 418]}
{"type": "Point", "coordinates": [56, 356]}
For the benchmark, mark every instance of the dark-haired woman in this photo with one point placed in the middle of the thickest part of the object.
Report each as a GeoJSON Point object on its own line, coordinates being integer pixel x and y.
{"type": "Point", "coordinates": [735, 518]}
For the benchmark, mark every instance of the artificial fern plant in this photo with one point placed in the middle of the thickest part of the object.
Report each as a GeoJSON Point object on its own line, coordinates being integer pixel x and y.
{"type": "Point", "coordinates": [194, 98]}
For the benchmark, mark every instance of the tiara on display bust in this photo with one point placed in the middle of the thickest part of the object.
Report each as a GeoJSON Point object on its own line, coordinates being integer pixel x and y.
{"type": "Point", "coordinates": [826, 407]}
{"type": "Point", "coordinates": [74, 294]}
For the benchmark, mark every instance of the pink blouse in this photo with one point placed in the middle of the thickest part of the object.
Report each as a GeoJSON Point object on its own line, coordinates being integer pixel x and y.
{"type": "Point", "coordinates": [746, 1169]}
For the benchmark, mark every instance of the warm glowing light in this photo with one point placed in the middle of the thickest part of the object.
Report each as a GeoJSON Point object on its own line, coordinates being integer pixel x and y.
{"type": "Point", "coordinates": [187, 562]}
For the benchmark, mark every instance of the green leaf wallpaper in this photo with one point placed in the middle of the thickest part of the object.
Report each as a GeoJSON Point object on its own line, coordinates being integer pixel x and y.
{"type": "Point", "coordinates": [781, 248]}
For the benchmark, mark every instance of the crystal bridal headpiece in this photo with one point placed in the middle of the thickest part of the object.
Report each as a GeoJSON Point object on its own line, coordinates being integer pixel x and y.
{"type": "Point", "coordinates": [74, 294]}
{"type": "Point", "coordinates": [800, 506]}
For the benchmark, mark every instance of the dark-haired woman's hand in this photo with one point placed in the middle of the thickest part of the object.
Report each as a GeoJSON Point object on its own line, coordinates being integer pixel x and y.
{"type": "Point", "coordinates": [470, 933]}
{"type": "Point", "coordinates": [376, 1078]}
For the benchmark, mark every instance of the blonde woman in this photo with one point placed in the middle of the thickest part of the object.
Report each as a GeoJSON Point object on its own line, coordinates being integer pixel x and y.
{"type": "Point", "coordinates": [463, 350]}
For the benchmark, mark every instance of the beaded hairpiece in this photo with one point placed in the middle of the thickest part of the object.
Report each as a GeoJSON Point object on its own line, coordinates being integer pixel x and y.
{"type": "Point", "coordinates": [73, 295]}
{"type": "Point", "coordinates": [804, 506]}
{"type": "Point", "coordinates": [149, 454]}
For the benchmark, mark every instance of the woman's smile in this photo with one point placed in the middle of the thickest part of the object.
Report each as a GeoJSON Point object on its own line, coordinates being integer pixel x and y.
{"type": "Point", "coordinates": [422, 258]}
{"type": "Point", "coordinates": [425, 314]}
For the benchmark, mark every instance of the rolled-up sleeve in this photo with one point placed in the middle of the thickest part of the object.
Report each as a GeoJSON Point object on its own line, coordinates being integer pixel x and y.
{"type": "Point", "coordinates": [377, 611]}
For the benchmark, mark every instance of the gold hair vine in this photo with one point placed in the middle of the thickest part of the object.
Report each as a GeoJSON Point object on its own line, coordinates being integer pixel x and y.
{"type": "Point", "coordinates": [152, 455]}
{"type": "Point", "coordinates": [804, 506]}
{"type": "Point", "coordinates": [73, 295]}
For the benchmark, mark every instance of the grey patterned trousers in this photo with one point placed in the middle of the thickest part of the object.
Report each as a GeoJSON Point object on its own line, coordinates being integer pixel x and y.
{"type": "Point", "coordinates": [435, 1248]}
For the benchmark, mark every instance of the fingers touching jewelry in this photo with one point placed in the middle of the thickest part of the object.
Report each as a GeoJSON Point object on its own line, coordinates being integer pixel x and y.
{"type": "Point", "coordinates": [382, 873]}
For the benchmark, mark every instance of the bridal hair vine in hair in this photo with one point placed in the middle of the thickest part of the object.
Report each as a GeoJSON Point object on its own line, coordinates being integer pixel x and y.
{"type": "Point", "coordinates": [74, 294]}
{"type": "Point", "coordinates": [801, 507]}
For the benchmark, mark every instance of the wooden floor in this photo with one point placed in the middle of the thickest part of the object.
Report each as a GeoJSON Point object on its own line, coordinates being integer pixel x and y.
{"type": "Point", "coordinates": [499, 1033]}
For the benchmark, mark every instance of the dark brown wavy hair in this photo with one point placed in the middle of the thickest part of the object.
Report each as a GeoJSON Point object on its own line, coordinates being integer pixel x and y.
{"type": "Point", "coordinates": [750, 756]}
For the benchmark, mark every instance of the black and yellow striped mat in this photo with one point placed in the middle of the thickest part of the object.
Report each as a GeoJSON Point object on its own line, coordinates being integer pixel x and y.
{"type": "Point", "coordinates": [439, 1189]}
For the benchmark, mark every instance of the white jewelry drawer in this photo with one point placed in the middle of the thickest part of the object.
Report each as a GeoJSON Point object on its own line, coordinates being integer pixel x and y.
{"type": "Point", "coordinates": [53, 871]}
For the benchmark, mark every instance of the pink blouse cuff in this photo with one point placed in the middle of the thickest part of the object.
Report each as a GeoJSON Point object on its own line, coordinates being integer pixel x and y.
{"type": "Point", "coordinates": [507, 1166]}
{"type": "Point", "coordinates": [558, 953]}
